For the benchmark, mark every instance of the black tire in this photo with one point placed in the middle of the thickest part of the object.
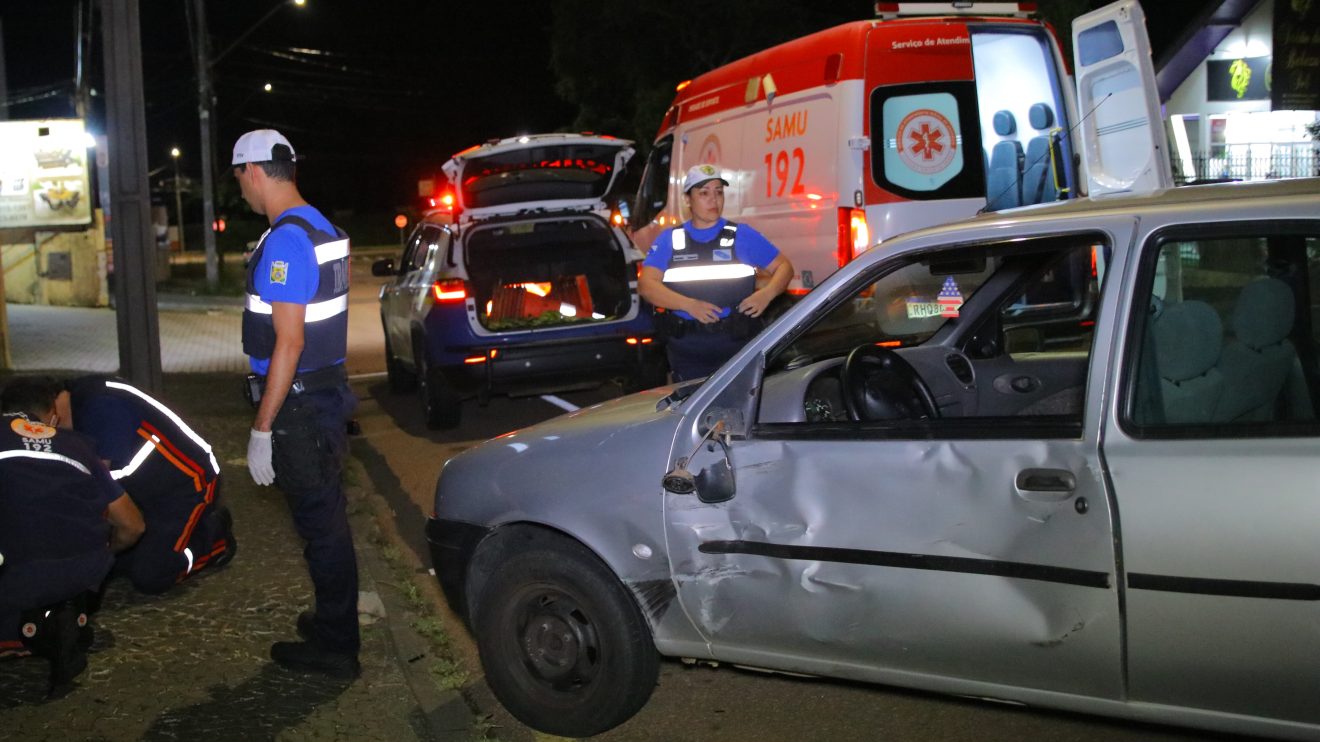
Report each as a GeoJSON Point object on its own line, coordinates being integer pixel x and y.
{"type": "Point", "coordinates": [442, 408]}
{"type": "Point", "coordinates": [563, 644]}
{"type": "Point", "coordinates": [401, 380]}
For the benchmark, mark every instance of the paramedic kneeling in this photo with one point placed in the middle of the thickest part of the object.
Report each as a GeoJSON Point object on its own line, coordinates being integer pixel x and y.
{"type": "Point", "coordinates": [705, 273]}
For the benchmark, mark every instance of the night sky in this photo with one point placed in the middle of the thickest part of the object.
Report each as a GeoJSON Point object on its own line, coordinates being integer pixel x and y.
{"type": "Point", "coordinates": [373, 95]}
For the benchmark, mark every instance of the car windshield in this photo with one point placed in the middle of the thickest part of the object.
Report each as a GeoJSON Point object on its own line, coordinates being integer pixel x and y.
{"type": "Point", "coordinates": [552, 172]}
{"type": "Point", "coordinates": [911, 302]}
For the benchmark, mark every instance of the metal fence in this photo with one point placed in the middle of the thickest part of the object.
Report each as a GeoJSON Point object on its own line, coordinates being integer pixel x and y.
{"type": "Point", "coordinates": [1251, 162]}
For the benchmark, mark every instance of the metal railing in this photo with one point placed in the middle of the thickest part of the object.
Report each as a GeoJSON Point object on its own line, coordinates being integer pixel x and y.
{"type": "Point", "coordinates": [1251, 162]}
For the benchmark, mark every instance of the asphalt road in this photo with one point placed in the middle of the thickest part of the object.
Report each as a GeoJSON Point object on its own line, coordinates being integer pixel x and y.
{"type": "Point", "coordinates": [403, 458]}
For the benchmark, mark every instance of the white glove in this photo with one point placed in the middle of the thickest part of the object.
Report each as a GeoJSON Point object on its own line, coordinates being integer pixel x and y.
{"type": "Point", "coordinates": [259, 458]}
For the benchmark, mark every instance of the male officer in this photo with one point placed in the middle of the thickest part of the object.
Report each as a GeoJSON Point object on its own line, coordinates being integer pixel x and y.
{"type": "Point", "coordinates": [168, 470]}
{"type": "Point", "coordinates": [62, 518]}
{"type": "Point", "coordinates": [702, 271]}
{"type": "Point", "coordinates": [295, 331]}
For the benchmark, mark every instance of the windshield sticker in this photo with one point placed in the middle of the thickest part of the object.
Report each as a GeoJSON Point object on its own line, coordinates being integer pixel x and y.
{"type": "Point", "coordinates": [951, 299]}
{"type": "Point", "coordinates": [920, 307]}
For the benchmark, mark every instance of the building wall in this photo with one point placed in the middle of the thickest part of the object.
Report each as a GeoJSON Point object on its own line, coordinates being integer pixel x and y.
{"type": "Point", "coordinates": [65, 268]}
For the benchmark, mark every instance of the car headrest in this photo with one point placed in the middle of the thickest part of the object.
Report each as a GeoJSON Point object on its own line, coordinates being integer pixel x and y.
{"type": "Point", "coordinates": [1005, 124]}
{"type": "Point", "coordinates": [1264, 313]}
{"type": "Point", "coordinates": [1188, 338]}
{"type": "Point", "coordinates": [1040, 116]}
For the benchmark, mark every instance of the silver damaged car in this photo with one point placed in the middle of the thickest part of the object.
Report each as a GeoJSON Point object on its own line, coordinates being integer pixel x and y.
{"type": "Point", "coordinates": [1064, 456]}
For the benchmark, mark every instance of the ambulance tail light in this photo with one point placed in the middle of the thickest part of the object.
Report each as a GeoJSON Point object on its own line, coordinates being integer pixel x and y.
{"type": "Point", "coordinates": [854, 235]}
{"type": "Point", "coordinates": [449, 290]}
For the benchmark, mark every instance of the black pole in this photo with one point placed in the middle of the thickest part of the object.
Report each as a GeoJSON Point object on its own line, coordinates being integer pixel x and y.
{"type": "Point", "coordinates": [130, 196]}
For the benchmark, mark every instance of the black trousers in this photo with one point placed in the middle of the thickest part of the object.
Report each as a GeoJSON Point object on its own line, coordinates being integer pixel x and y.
{"type": "Point", "coordinates": [309, 445]}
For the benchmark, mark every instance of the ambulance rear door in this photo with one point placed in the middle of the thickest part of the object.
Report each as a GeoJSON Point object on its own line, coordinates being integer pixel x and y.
{"type": "Point", "coordinates": [1124, 149]}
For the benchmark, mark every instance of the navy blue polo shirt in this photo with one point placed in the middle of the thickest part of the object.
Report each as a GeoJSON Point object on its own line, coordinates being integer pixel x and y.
{"type": "Point", "coordinates": [55, 495]}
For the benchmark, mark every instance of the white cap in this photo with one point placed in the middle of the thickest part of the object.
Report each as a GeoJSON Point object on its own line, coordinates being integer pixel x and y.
{"type": "Point", "coordinates": [262, 145]}
{"type": "Point", "coordinates": [698, 174]}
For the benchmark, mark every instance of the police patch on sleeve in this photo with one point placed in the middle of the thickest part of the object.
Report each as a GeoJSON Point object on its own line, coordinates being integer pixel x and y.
{"type": "Point", "coordinates": [279, 272]}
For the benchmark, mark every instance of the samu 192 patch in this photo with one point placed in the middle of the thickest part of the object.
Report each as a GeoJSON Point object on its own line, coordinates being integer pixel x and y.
{"type": "Point", "coordinates": [279, 272]}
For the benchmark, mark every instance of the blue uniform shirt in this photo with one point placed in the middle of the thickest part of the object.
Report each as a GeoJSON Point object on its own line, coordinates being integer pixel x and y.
{"type": "Point", "coordinates": [750, 246]}
{"type": "Point", "coordinates": [288, 271]}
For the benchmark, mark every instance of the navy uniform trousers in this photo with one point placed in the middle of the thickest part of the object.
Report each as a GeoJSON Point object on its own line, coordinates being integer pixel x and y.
{"type": "Point", "coordinates": [309, 443]}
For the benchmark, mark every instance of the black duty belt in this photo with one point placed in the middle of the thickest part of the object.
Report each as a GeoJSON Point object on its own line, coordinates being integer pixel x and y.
{"type": "Point", "coordinates": [329, 377]}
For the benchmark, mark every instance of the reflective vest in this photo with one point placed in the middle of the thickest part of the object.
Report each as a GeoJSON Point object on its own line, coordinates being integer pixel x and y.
{"type": "Point", "coordinates": [326, 323]}
{"type": "Point", "coordinates": [710, 271]}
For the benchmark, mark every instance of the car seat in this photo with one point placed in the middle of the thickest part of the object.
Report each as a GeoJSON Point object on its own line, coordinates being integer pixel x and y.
{"type": "Point", "coordinates": [1187, 339]}
{"type": "Point", "coordinates": [1038, 183]}
{"type": "Point", "coordinates": [1004, 181]}
{"type": "Point", "coordinates": [1260, 364]}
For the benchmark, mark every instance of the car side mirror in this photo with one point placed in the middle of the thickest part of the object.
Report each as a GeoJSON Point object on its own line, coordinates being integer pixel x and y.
{"type": "Point", "coordinates": [383, 267]}
{"type": "Point", "coordinates": [714, 483]}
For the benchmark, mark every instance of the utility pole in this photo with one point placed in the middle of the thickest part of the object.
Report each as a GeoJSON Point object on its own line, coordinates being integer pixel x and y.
{"type": "Point", "coordinates": [130, 196]}
{"type": "Point", "coordinates": [205, 108]}
{"type": "Point", "coordinates": [178, 196]}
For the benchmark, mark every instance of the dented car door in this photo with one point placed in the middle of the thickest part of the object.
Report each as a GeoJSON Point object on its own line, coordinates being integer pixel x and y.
{"type": "Point", "coordinates": [975, 544]}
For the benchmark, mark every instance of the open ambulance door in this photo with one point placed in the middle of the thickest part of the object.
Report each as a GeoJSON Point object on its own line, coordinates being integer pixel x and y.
{"type": "Point", "coordinates": [1123, 146]}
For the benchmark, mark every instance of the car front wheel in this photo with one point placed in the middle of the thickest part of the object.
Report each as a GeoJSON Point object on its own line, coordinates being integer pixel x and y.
{"type": "Point", "coordinates": [563, 644]}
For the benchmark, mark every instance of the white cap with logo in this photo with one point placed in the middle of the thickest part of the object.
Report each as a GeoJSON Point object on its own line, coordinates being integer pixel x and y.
{"type": "Point", "coordinates": [262, 145]}
{"type": "Point", "coordinates": [698, 174]}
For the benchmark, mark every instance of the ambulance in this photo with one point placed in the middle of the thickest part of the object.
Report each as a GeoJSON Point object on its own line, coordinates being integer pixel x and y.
{"type": "Point", "coordinates": [926, 114]}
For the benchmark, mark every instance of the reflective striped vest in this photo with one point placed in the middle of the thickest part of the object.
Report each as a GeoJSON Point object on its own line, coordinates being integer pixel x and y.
{"type": "Point", "coordinates": [326, 328]}
{"type": "Point", "coordinates": [710, 271]}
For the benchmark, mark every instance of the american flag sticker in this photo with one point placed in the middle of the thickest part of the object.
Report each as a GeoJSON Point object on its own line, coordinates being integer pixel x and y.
{"type": "Point", "coordinates": [950, 298]}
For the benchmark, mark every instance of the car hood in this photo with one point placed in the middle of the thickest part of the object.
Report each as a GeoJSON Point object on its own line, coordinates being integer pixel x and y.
{"type": "Point", "coordinates": [582, 461]}
{"type": "Point", "coordinates": [536, 172]}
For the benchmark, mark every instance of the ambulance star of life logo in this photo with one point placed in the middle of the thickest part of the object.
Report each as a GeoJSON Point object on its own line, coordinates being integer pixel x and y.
{"type": "Point", "coordinates": [279, 272]}
{"type": "Point", "coordinates": [29, 429]}
{"type": "Point", "coordinates": [950, 299]}
{"type": "Point", "coordinates": [926, 142]}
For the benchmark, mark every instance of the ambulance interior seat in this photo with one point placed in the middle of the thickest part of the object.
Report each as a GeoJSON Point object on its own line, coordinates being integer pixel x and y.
{"type": "Point", "coordinates": [1004, 179]}
{"type": "Point", "coordinates": [1186, 341]}
{"type": "Point", "coordinates": [1038, 181]}
{"type": "Point", "coordinates": [1263, 378]}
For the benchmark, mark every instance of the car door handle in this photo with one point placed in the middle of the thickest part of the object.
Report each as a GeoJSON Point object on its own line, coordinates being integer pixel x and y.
{"type": "Point", "coordinates": [1045, 485]}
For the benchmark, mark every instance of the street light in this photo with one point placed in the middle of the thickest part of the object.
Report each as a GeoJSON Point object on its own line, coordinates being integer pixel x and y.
{"type": "Point", "coordinates": [204, 61]}
{"type": "Point", "coordinates": [178, 196]}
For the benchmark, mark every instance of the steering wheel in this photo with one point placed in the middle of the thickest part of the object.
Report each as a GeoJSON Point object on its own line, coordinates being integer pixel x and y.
{"type": "Point", "coordinates": [879, 385]}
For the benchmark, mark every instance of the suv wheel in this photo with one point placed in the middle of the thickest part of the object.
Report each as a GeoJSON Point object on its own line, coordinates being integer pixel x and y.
{"type": "Point", "coordinates": [441, 405]}
{"type": "Point", "coordinates": [563, 644]}
{"type": "Point", "coordinates": [401, 380]}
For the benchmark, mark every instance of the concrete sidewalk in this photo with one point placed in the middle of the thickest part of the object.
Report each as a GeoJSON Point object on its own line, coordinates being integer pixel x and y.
{"type": "Point", "coordinates": [196, 335]}
{"type": "Point", "coordinates": [194, 663]}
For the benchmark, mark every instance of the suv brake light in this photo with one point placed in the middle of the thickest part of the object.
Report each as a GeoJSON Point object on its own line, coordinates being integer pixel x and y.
{"type": "Point", "coordinates": [448, 290]}
{"type": "Point", "coordinates": [854, 235]}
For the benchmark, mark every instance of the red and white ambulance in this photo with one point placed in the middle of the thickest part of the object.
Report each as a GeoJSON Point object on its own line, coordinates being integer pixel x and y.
{"type": "Point", "coordinates": [928, 113]}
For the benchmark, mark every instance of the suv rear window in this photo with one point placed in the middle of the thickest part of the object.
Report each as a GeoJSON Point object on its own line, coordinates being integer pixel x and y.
{"type": "Point", "coordinates": [548, 273]}
{"type": "Point", "coordinates": [547, 173]}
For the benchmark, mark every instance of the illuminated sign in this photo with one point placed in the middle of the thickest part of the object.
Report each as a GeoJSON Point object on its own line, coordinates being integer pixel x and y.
{"type": "Point", "coordinates": [1237, 79]}
{"type": "Point", "coordinates": [43, 174]}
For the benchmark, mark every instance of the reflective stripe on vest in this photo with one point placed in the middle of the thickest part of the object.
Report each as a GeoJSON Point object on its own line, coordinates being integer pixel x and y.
{"type": "Point", "coordinates": [316, 311]}
{"type": "Point", "coordinates": [694, 272]}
